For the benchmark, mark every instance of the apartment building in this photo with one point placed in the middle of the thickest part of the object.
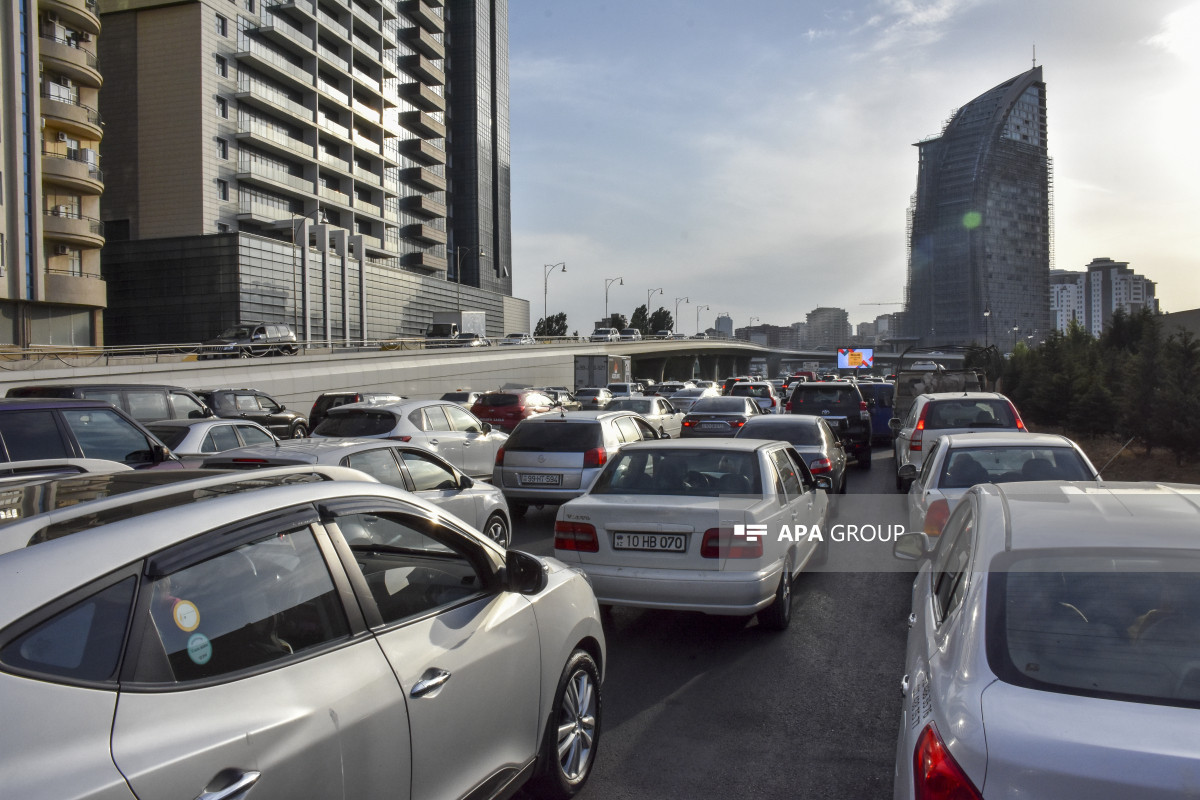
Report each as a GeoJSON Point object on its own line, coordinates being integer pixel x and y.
{"type": "Point", "coordinates": [1092, 296]}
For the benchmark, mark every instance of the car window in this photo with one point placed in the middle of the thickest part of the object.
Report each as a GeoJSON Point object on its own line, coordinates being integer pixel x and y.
{"type": "Point", "coordinates": [221, 437]}
{"type": "Point", "coordinates": [408, 572]}
{"type": "Point", "coordinates": [552, 436]}
{"type": "Point", "coordinates": [427, 473]}
{"type": "Point", "coordinates": [628, 429]}
{"type": "Point", "coordinates": [460, 420]}
{"type": "Point", "coordinates": [103, 433]}
{"type": "Point", "coordinates": [798, 463]}
{"type": "Point", "coordinates": [32, 435]}
{"type": "Point", "coordinates": [788, 473]}
{"type": "Point", "coordinates": [380, 464]}
{"type": "Point", "coordinates": [171, 436]}
{"type": "Point", "coordinates": [185, 407]}
{"type": "Point", "coordinates": [966, 413]}
{"type": "Point", "coordinates": [269, 404]}
{"type": "Point", "coordinates": [356, 423]}
{"type": "Point", "coordinates": [252, 434]}
{"type": "Point", "coordinates": [952, 561]}
{"type": "Point", "coordinates": [678, 472]}
{"type": "Point", "coordinates": [435, 419]}
{"type": "Point", "coordinates": [253, 605]}
{"type": "Point", "coordinates": [147, 406]}
{"type": "Point", "coordinates": [927, 466]}
{"type": "Point", "coordinates": [84, 642]}
{"type": "Point", "coordinates": [245, 402]}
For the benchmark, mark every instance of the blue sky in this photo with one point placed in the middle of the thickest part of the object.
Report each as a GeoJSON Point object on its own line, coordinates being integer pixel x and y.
{"type": "Point", "coordinates": [757, 156]}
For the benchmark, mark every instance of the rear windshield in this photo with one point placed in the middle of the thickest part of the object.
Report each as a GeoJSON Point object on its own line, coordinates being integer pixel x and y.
{"type": "Point", "coordinates": [170, 435]}
{"type": "Point", "coordinates": [555, 437]}
{"type": "Point", "coordinates": [498, 400]}
{"type": "Point", "coordinates": [356, 422]}
{"type": "Point", "coordinates": [823, 394]}
{"type": "Point", "coordinates": [588, 393]}
{"type": "Point", "coordinates": [767, 428]}
{"type": "Point", "coordinates": [690, 473]}
{"type": "Point", "coordinates": [456, 397]}
{"type": "Point", "coordinates": [749, 390]}
{"type": "Point", "coordinates": [631, 404]}
{"type": "Point", "coordinates": [1119, 626]}
{"type": "Point", "coordinates": [966, 413]}
{"type": "Point", "coordinates": [968, 466]}
{"type": "Point", "coordinates": [719, 404]}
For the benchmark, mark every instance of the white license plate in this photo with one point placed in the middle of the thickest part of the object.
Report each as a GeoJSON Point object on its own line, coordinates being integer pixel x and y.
{"type": "Point", "coordinates": [540, 479]}
{"type": "Point", "coordinates": [713, 426]}
{"type": "Point", "coordinates": [663, 542]}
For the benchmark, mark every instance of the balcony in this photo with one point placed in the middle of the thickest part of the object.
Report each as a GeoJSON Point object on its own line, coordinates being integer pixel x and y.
{"type": "Point", "coordinates": [334, 196]}
{"type": "Point", "coordinates": [71, 115]}
{"type": "Point", "coordinates": [285, 35]}
{"type": "Point", "coordinates": [251, 210]}
{"type": "Point", "coordinates": [274, 140]}
{"type": "Point", "coordinates": [331, 58]}
{"type": "Point", "coordinates": [366, 112]}
{"type": "Point", "coordinates": [300, 10]}
{"type": "Point", "coordinates": [422, 125]}
{"type": "Point", "coordinates": [366, 175]}
{"type": "Point", "coordinates": [421, 67]}
{"type": "Point", "coordinates": [75, 289]}
{"type": "Point", "coordinates": [423, 260]}
{"type": "Point", "coordinates": [367, 144]}
{"type": "Point", "coordinates": [425, 15]}
{"type": "Point", "coordinates": [63, 225]}
{"type": "Point", "coordinates": [73, 170]}
{"type": "Point", "coordinates": [334, 162]}
{"type": "Point", "coordinates": [373, 244]}
{"type": "Point", "coordinates": [334, 127]}
{"type": "Point", "coordinates": [330, 90]}
{"type": "Point", "coordinates": [424, 179]}
{"type": "Point", "coordinates": [424, 151]}
{"type": "Point", "coordinates": [425, 233]}
{"type": "Point", "coordinates": [253, 93]}
{"type": "Point", "coordinates": [80, 15]}
{"type": "Point", "coordinates": [272, 63]}
{"type": "Point", "coordinates": [424, 206]}
{"type": "Point", "coordinates": [364, 15]}
{"type": "Point", "coordinates": [331, 25]}
{"type": "Point", "coordinates": [70, 58]}
{"type": "Point", "coordinates": [422, 97]}
{"type": "Point", "coordinates": [423, 42]}
{"type": "Point", "coordinates": [367, 207]}
{"type": "Point", "coordinates": [264, 174]}
{"type": "Point", "coordinates": [363, 77]}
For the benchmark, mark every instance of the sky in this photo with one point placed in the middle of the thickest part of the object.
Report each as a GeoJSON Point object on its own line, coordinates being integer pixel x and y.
{"type": "Point", "coordinates": [757, 157]}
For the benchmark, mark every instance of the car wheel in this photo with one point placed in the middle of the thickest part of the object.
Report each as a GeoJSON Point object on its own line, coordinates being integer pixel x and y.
{"type": "Point", "coordinates": [778, 615]}
{"type": "Point", "coordinates": [496, 529]}
{"type": "Point", "coordinates": [299, 431]}
{"type": "Point", "coordinates": [517, 510]}
{"type": "Point", "coordinates": [573, 731]}
{"type": "Point", "coordinates": [244, 353]}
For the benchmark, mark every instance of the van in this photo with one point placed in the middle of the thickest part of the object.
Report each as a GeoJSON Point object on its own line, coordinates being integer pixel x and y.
{"type": "Point", "coordinates": [879, 404]}
{"type": "Point", "coordinates": [144, 402]}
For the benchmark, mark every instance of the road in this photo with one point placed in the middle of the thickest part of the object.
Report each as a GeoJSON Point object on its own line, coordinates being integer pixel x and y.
{"type": "Point", "coordinates": [715, 707]}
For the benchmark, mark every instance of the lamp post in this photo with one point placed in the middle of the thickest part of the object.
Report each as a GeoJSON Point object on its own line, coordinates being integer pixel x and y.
{"type": "Point", "coordinates": [295, 278]}
{"type": "Point", "coordinates": [458, 251]}
{"type": "Point", "coordinates": [987, 313]}
{"type": "Point", "coordinates": [546, 293]}
{"type": "Point", "coordinates": [751, 325]}
{"type": "Point", "coordinates": [649, 294]}
{"type": "Point", "coordinates": [607, 283]}
{"type": "Point", "coordinates": [698, 310]}
{"type": "Point", "coordinates": [675, 318]}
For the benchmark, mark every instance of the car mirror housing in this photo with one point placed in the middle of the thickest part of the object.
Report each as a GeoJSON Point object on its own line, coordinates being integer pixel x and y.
{"type": "Point", "coordinates": [823, 482]}
{"type": "Point", "coordinates": [910, 546]}
{"type": "Point", "coordinates": [465, 481]}
{"type": "Point", "coordinates": [525, 573]}
{"type": "Point", "coordinates": [894, 423]}
{"type": "Point", "coordinates": [907, 472]}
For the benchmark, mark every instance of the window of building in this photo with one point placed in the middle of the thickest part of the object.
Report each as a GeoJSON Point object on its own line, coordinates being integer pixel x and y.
{"type": "Point", "coordinates": [222, 148]}
{"type": "Point", "coordinates": [250, 6]}
{"type": "Point", "coordinates": [222, 227]}
{"type": "Point", "coordinates": [222, 66]}
{"type": "Point", "coordinates": [75, 261]}
{"type": "Point", "coordinates": [222, 108]}
{"type": "Point", "coordinates": [222, 26]}
{"type": "Point", "coordinates": [223, 189]}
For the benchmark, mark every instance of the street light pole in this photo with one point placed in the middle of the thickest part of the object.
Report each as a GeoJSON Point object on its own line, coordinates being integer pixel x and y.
{"type": "Point", "coordinates": [546, 294]}
{"type": "Point", "coordinates": [675, 318]}
{"type": "Point", "coordinates": [698, 310]}
{"type": "Point", "coordinates": [649, 294]}
{"type": "Point", "coordinates": [751, 325]}
{"type": "Point", "coordinates": [458, 251]}
{"type": "Point", "coordinates": [987, 313]}
{"type": "Point", "coordinates": [607, 283]}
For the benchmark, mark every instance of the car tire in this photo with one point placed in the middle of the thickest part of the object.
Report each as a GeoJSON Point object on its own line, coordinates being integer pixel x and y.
{"type": "Point", "coordinates": [496, 528]}
{"type": "Point", "coordinates": [244, 353]}
{"type": "Point", "coordinates": [778, 615]}
{"type": "Point", "coordinates": [576, 710]}
{"type": "Point", "coordinates": [299, 431]}
{"type": "Point", "coordinates": [517, 510]}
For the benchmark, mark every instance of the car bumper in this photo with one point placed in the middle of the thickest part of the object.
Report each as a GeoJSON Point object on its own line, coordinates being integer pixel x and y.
{"type": "Point", "coordinates": [706, 591]}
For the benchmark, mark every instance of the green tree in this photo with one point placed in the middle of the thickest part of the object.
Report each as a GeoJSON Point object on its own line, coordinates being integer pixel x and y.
{"type": "Point", "coordinates": [640, 320]}
{"type": "Point", "coordinates": [661, 320]}
{"type": "Point", "coordinates": [618, 321]}
{"type": "Point", "coordinates": [1139, 409]}
{"type": "Point", "coordinates": [1093, 408]}
{"type": "Point", "coordinates": [555, 325]}
{"type": "Point", "coordinates": [1179, 407]}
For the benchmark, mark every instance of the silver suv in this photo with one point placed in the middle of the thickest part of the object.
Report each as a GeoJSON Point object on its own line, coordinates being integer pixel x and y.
{"type": "Point", "coordinates": [553, 458]}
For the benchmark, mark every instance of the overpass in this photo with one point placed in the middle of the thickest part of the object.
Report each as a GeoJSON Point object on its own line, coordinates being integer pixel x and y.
{"type": "Point", "coordinates": [412, 370]}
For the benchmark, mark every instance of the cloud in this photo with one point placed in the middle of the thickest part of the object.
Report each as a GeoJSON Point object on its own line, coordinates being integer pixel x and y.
{"type": "Point", "coordinates": [1179, 35]}
{"type": "Point", "coordinates": [911, 23]}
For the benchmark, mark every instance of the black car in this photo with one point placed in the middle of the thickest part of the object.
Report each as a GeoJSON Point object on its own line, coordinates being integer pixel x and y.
{"type": "Point", "coordinates": [251, 339]}
{"type": "Point", "coordinates": [841, 405]}
{"type": "Point", "coordinates": [53, 428]}
{"type": "Point", "coordinates": [718, 416]}
{"type": "Point", "coordinates": [811, 437]}
{"type": "Point", "coordinates": [257, 407]}
{"type": "Point", "coordinates": [144, 402]}
{"type": "Point", "coordinates": [329, 400]}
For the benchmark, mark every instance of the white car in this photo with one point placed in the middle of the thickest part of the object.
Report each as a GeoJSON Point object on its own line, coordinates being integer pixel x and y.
{"type": "Point", "coordinates": [664, 526]}
{"type": "Point", "coordinates": [957, 462]}
{"type": "Point", "coordinates": [1053, 646]}
{"type": "Point", "coordinates": [658, 411]}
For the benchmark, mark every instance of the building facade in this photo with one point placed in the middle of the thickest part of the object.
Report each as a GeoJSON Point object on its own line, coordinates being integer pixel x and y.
{"type": "Point", "coordinates": [1092, 296]}
{"type": "Point", "coordinates": [827, 329]}
{"type": "Point", "coordinates": [980, 221]}
{"type": "Point", "coordinates": [339, 165]}
{"type": "Point", "coordinates": [51, 291]}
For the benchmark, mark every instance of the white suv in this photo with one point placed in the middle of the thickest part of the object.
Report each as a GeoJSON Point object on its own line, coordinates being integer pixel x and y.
{"type": "Point", "coordinates": [605, 335]}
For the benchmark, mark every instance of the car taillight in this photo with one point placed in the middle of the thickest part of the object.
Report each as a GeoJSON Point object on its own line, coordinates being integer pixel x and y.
{"type": "Point", "coordinates": [400, 438]}
{"type": "Point", "coordinates": [596, 457]}
{"type": "Point", "coordinates": [250, 461]}
{"type": "Point", "coordinates": [936, 516]}
{"type": "Point", "coordinates": [577, 536]}
{"type": "Point", "coordinates": [919, 432]}
{"type": "Point", "coordinates": [1020, 424]}
{"type": "Point", "coordinates": [687, 423]}
{"type": "Point", "coordinates": [773, 402]}
{"type": "Point", "coordinates": [936, 775]}
{"type": "Point", "coordinates": [820, 465]}
{"type": "Point", "coordinates": [862, 405]}
{"type": "Point", "coordinates": [788, 406]}
{"type": "Point", "coordinates": [499, 456]}
{"type": "Point", "coordinates": [721, 543]}
{"type": "Point", "coordinates": [737, 423]}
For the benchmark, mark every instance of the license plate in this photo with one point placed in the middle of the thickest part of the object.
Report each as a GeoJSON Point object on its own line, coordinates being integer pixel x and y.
{"type": "Point", "coordinates": [662, 542]}
{"type": "Point", "coordinates": [713, 426]}
{"type": "Point", "coordinates": [540, 479]}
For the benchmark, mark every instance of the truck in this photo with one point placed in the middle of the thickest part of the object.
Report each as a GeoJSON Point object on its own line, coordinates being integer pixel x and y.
{"type": "Point", "coordinates": [602, 370]}
{"type": "Point", "coordinates": [448, 325]}
{"type": "Point", "coordinates": [930, 377]}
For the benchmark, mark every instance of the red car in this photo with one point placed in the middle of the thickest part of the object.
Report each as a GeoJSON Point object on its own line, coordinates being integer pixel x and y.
{"type": "Point", "coordinates": [505, 409]}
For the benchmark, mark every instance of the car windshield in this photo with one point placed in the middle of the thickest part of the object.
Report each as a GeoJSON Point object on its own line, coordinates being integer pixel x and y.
{"type": "Point", "coordinates": [679, 472]}
{"type": "Point", "coordinates": [355, 422]}
{"type": "Point", "coordinates": [236, 332]}
{"type": "Point", "coordinates": [555, 437]}
{"type": "Point", "coordinates": [456, 397]}
{"type": "Point", "coordinates": [966, 466]}
{"type": "Point", "coordinates": [719, 405]}
{"type": "Point", "coordinates": [1121, 625]}
{"type": "Point", "coordinates": [797, 433]}
{"type": "Point", "coordinates": [967, 413]}
{"type": "Point", "coordinates": [601, 332]}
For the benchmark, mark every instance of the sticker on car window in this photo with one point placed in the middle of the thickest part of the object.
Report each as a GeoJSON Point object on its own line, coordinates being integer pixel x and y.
{"type": "Point", "coordinates": [186, 615]}
{"type": "Point", "coordinates": [199, 648]}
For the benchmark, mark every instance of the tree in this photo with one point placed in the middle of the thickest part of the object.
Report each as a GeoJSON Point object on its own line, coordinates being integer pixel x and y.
{"type": "Point", "coordinates": [1141, 396]}
{"type": "Point", "coordinates": [1179, 408]}
{"type": "Point", "coordinates": [640, 320]}
{"type": "Point", "coordinates": [661, 320]}
{"type": "Point", "coordinates": [555, 325]}
{"type": "Point", "coordinates": [618, 321]}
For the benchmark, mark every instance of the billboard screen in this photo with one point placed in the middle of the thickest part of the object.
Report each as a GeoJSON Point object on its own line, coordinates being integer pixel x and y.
{"type": "Point", "coordinates": [849, 358]}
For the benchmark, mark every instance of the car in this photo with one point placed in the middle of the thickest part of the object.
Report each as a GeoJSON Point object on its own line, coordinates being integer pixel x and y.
{"type": "Point", "coordinates": [631, 335]}
{"type": "Point", "coordinates": [518, 338]}
{"type": "Point", "coordinates": [605, 335]}
{"type": "Point", "coordinates": [35, 428]}
{"type": "Point", "coordinates": [684, 399]}
{"type": "Point", "coordinates": [464, 398]}
{"type": "Point", "coordinates": [251, 339]}
{"type": "Point", "coordinates": [678, 336]}
{"type": "Point", "coordinates": [624, 389]}
{"type": "Point", "coordinates": [1071, 602]}
{"type": "Point", "coordinates": [658, 411]}
{"type": "Point", "coordinates": [701, 335]}
{"type": "Point", "coordinates": [654, 530]}
{"type": "Point", "coordinates": [728, 383]}
{"type": "Point", "coordinates": [718, 416]}
{"type": "Point", "coordinates": [762, 392]}
{"type": "Point", "coordinates": [191, 439]}
{"type": "Point", "coordinates": [810, 436]}
{"type": "Point", "coordinates": [328, 400]}
{"type": "Point", "coordinates": [562, 398]}
{"type": "Point", "coordinates": [469, 339]}
{"type": "Point", "coordinates": [504, 409]}
{"type": "Point", "coordinates": [947, 413]}
{"type": "Point", "coordinates": [879, 396]}
{"type": "Point", "coordinates": [594, 398]}
{"type": "Point", "coordinates": [22, 471]}
{"type": "Point", "coordinates": [668, 388]}
{"type": "Point", "coordinates": [553, 458]}
{"type": "Point", "coordinates": [144, 402]}
{"type": "Point", "coordinates": [288, 633]}
{"type": "Point", "coordinates": [841, 404]}
{"type": "Point", "coordinates": [660, 335]}
{"type": "Point", "coordinates": [958, 461]}
{"type": "Point", "coordinates": [405, 466]}
{"type": "Point", "coordinates": [444, 428]}
{"type": "Point", "coordinates": [256, 406]}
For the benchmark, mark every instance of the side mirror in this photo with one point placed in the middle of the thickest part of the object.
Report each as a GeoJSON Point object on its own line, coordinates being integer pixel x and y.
{"type": "Point", "coordinates": [465, 481]}
{"type": "Point", "coordinates": [910, 546]}
{"type": "Point", "coordinates": [894, 423]}
{"type": "Point", "coordinates": [823, 482]}
{"type": "Point", "coordinates": [908, 472]}
{"type": "Point", "coordinates": [487, 427]}
{"type": "Point", "coordinates": [524, 573]}
{"type": "Point", "coordinates": [664, 435]}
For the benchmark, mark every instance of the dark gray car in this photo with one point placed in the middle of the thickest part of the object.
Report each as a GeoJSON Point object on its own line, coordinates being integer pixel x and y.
{"type": "Point", "coordinates": [811, 437]}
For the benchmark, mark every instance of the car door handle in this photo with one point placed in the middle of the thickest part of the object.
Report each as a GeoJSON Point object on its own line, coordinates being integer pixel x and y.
{"type": "Point", "coordinates": [433, 441]}
{"type": "Point", "coordinates": [904, 686]}
{"type": "Point", "coordinates": [233, 790]}
{"type": "Point", "coordinates": [912, 619]}
{"type": "Point", "coordinates": [433, 680]}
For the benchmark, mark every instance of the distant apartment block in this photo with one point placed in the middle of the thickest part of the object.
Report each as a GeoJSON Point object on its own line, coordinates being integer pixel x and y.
{"type": "Point", "coordinates": [1092, 296]}
{"type": "Point", "coordinates": [51, 292]}
{"type": "Point", "coordinates": [724, 326]}
{"type": "Point", "coordinates": [827, 329]}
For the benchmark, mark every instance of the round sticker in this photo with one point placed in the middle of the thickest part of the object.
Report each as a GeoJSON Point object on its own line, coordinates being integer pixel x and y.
{"type": "Point", "coordinates": [187, 616]}
{"type": "Point", "coordinates": [199, 648]}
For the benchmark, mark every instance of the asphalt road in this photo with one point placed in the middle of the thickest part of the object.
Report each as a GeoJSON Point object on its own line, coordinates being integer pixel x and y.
{"type": "Point", "coordinates": [715, 707]}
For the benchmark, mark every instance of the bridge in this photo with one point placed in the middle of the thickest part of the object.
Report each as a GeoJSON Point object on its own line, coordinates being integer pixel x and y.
{"type": "Point", "coordinates": [409, 369]}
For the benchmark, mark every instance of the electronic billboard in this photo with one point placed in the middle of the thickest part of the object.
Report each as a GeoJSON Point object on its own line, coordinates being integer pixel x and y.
{"type": "Point", "coordinates": [850, 358]}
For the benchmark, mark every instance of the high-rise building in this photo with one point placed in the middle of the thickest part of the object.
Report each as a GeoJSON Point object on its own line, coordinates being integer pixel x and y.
{"type": "Point", "coordinates": [51, 291]}
{"type": "Point", "coordinates": [339, 165]}
{"type": "Point", "coordinates": [724, 326]}
{"type": "Point", "coordinates": [828, 328]}
{"type": "Point", "coordinates": [1091, 297]}
{"type": "Point", "coordinates": [980, 221]}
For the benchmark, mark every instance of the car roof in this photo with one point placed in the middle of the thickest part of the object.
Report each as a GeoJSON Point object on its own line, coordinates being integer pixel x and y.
{"type": "Point", "coordinates": [931, 396]}
{"type": "Point", "coordinates": [52, 402]}
{"type": "Point", "coordinates": [1007, 438]}
{"type": "Point", "coordinates": [578, 416]}
{"type": "Point", "coordinates": [783, 420]}
{"type": "Point", "coordinates": [396, 407]}
{"type": "Point", "coordinates": [723, 443]}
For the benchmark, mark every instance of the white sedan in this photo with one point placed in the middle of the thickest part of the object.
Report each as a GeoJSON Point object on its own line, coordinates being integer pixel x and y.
{"type": "Point", "coordinates": [689, 525]}
{"type": "Point", "coordinates": [957, 462]}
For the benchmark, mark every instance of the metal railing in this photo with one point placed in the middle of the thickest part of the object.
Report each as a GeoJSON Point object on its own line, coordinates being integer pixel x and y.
{"type": "Point", "coordinates": [248, 45]}
{"type": "Point", "coordinates": [94, 171]}
{"type": "Point", "coordinates": [270, 173]}
{"type": "Point", "coordinates": [267, 132]}
{"type": "Point", "coordinates": [94, 225]}
{"type": "Point", "coordinates": [93, 116]}
{"type": "Point", "coordinates": [90, 56]}
{"type": "Point", "coordinates": [273, 96]}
